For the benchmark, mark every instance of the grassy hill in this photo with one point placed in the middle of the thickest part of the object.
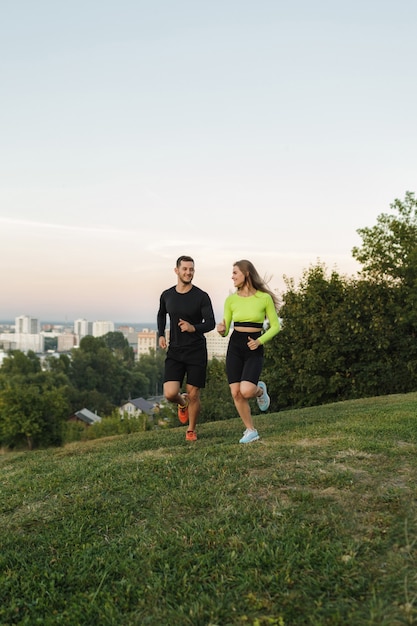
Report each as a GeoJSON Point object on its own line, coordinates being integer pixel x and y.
{"type": "Point", "coordinates": [314, 524]}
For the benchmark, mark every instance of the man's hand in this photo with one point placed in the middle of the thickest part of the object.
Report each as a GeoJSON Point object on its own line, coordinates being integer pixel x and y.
{"type": "Point", "coordinates": [186, 327]}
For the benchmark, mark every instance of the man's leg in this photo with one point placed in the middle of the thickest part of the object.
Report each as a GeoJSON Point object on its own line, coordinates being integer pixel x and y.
{"type": "Point", "coordinates": [172, 392]}
{"type": "Point", "coordinates": [194, 405]}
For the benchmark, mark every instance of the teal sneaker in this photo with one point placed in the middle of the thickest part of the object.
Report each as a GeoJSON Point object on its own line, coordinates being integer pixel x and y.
{"type": "Point", "coordinates": [264, 400]}
{"type": "Point", "coordinates": [249, 436]}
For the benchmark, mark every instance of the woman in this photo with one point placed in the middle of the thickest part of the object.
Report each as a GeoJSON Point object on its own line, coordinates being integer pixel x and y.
{"type": "Point", "coordinates": [248, 308]}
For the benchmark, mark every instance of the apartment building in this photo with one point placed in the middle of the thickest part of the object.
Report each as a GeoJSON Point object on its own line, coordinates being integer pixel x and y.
{"type": "Point", "coordinates": [101, 328]}
{"type": "Point", "coordinates": [131, 335]}
{"type": "Point", "coordinates": [26, 336]}
{"type": "Point", "coordinates": [22, 341]}
{"type": "Point", "coordinates": [82, 328]}
{"type": "Point", "coordinates": [24, 324]}
{"type": "Point", "coordinates": [66, 342]}
{"type": "Point", "coordinates": [216, 345]}
{"type": "Point", "coordinates": [146, 341]}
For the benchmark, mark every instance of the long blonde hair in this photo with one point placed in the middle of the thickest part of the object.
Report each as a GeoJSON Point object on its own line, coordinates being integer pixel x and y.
{"type": "Point", "coordinates": [254, 280]}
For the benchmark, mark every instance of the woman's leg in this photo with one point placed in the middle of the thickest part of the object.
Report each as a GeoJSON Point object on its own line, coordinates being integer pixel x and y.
{"type": "Point", "coordinates": [241, 393]}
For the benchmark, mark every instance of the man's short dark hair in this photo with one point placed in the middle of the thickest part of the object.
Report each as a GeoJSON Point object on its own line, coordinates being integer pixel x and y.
{"type": "Point", "coordinates": [186, 259]}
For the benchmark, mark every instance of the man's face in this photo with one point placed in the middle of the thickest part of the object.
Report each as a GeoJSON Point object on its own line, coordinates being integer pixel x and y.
{"type": "Point", "coordinates": [185, 272]}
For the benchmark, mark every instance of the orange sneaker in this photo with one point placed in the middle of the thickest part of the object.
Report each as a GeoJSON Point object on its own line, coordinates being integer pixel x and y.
{"type": "Point", "coordinates": [183, 411]}
{"type": "Point", "coordinates": [191, 435]}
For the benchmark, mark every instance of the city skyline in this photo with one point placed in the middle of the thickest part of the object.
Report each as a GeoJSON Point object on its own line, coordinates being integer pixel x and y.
{"type": "Point", "coordinates": [27, 333]}
{"type": "Point", "coordinates": [50, 321]}
{"type": "Point", "coordinates": [138, 132]}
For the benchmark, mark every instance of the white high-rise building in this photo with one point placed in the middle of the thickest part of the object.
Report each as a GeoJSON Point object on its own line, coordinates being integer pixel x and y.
{"type": "Point", "coordinates": [29, 341]}
{"type": "Point", "coordinates": [24, 324]}
{"type": "Point", "coordinates": [27, 334]}
{"type": "Point", "coordinates": [82, 328]}
{"type": "Point", "coordinates": [101, 328]}
{"type": "Point", "coordinates": [36, 343]}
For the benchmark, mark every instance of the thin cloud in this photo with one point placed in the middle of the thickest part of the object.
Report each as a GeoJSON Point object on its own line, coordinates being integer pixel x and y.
{"type": "Point", "coordinates": [69, 227]}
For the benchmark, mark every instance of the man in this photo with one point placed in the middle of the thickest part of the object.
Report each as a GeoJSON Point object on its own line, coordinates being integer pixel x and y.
{"type": "Point", "coordinates": [191, 315]}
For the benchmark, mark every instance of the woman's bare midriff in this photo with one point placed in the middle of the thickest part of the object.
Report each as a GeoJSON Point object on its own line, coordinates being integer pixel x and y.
{"type": "Point", "coordinates": [245, 329]}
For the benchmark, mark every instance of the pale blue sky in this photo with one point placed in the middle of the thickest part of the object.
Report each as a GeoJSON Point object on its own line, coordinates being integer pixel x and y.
{"type": "Point", "coordinates": [133, 132]}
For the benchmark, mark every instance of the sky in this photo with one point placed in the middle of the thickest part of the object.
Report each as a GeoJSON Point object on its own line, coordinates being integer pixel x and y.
{"type": "Point", "coordinates": [133, 132]}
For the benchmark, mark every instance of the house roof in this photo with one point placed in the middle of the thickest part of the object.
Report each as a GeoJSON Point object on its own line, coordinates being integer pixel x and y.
{"type": "Point", "coordinates": [88, 416]}
{"type": "Point", "coordinates": [141, 404]}
{"type": "Point", "coordinates": [156, 400]}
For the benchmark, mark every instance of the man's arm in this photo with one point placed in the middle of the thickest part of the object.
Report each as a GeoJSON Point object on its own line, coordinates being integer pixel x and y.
{"type": "Point", "coordinates": [207, 316]}
{"type": "Point", "coordinates": [161, 319]}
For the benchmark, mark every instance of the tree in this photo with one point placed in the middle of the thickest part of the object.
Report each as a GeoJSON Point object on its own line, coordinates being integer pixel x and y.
{"type": "Point", "coordinates": [19, 363]}
{"type": "Point", "coordinates": [99, 375]}
{"type": "Point", "coordinates": [58, 364]}
{"type": "Point", "coordinates": [300, 360]}
{"type": "Point", "coordinates": [152, 367]}
{"type": "Point", "coordinates": [389, 253]}
{"type": "Point", "coordinates": [216, 399]}
{"type": "Point", "coordinates": [32, 412]}
{"type": "Point", "coordinates": [389, 249]}
{"type": "Point", "coordinates": [339, 340]}
{"type": "Point", "coordinates": [120, 347]}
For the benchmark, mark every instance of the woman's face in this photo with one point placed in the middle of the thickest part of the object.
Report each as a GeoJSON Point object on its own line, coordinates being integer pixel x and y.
{"type": "Point", "coordinates": [238, 277]}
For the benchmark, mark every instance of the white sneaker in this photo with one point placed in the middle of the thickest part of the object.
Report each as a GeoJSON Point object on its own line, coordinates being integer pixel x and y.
{"type": "Point", "coordinates": [264, 400]}
{"type": "Point", "coordinates": [249, 436]}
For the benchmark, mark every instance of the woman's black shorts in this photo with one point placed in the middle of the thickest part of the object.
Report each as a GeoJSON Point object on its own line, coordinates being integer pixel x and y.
{"type": "Point", "coordinates": [241, 362]}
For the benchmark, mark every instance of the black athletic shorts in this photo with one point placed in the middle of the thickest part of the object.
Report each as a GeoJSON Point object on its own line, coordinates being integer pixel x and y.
{"type": "Point", "coordinates": [241, 362]}
{"type": "Point", "coordinates": [187, 362]}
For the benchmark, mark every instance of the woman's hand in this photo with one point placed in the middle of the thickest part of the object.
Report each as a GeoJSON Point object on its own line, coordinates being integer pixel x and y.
{"type": "Point", "coordinates": [253, 343]}
{"type": "Point", "coordinates": [221, 328]}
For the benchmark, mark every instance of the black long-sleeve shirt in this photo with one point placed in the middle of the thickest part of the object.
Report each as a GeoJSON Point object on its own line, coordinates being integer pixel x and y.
{"type": "Point", "coordinates": [194, 307]}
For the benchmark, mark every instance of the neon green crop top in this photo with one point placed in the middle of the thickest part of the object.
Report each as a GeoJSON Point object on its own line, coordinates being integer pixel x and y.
{"type": "Point", "coordinates": [252, 309]}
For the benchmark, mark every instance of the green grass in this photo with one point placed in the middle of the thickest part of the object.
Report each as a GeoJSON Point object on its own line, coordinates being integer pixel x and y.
{"type": "Point", "coordinates": [315, 524]}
